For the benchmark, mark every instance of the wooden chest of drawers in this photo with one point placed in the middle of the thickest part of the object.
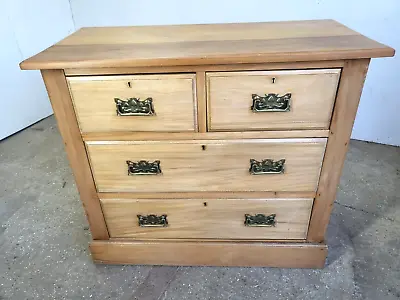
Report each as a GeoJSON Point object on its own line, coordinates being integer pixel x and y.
{"type": "Point", "coordinates": [215, 144]}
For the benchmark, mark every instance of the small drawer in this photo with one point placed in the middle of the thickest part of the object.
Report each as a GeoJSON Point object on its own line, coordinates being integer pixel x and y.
{"type": "Point", "coordinates": [207, 165]}
{"type": "Point", "coordinates": [201, 218]}
{"type": "Point", "coordinates": [134, 102]}
{"type": "Point", "coordinates": [271, 100]}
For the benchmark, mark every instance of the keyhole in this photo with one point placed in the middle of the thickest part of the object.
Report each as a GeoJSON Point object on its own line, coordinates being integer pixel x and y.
{"type": "Point", "coordinates": [273, 79]}
{"type": "Point", "coordinates": [203, 147]}
{"type": "Point", "coordinates": [205, 203]}
{"type": "Point", "coordinates": [129, 84]}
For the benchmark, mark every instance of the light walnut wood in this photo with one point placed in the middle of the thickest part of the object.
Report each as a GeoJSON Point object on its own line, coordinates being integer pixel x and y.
{"type": "Point", "coordinates": [201, 96]}
{"type": "Point", "coordinates": [205, 33]}
{"type": "Point", "coordinates": [222, 166]}
{"type": "Point", "coordinates": [207, 68]}
{"type": "Point", "coordinates": [173, 99]}
{"type": "Point", "coordinates": [57, 89]}
{"type": "Point", "coordinates": [351, 84]}
{"type": "Point", "coordinates": [148, 136]}
{"type": "Point", "coordinates": [204, 76]}
{"type": "Point", "coordinates": [206, 45]}
{"type": "Point", "coordinates": [252, 254]}
{"type": "Point", "coordinates": [229, 99]}
{"type": "Point", "coordinates": [215, 218]}
{"type": "Point", "coordinates": [302, 241]}
{"type": "Point", "coordinates": [208, 195]}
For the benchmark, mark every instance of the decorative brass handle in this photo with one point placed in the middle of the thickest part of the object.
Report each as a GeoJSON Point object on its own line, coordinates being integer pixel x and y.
{"type": "Point", "coordinates": [143, 167]}
{"type": "Point", "coordinates": [267, 166]}
{"type": "Point", "coordinates": [134, 107]}
{"type": "Point", "coordinates": [271, 103]}
{"type": "Point", "coordinates": [152, 221]}
{"type": "Point", "coordinates": [259, 220]}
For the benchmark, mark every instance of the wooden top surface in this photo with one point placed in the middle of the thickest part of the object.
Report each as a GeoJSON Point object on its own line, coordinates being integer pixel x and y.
{"type": "Point", "coordinates": [207, 44]}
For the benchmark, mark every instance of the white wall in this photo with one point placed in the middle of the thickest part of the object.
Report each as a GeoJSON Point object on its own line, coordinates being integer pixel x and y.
{"type": "Point", "coordinates": [377, 118]}
{"type": "Point", "coordinates": [27, 27]}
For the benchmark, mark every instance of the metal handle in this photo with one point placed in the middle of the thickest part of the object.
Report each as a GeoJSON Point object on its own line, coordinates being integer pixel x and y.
{"type": "Point", "coordinates": [152, 221]}
{"type": "Point", "coordinates": [143, 167]}
{"type": "Point", "coordinates": [267, 166]}
{"type": "Point", "coordinates": [259, 220]}
{"type": "Point", "coordinates": [134, 107]}
{"type": "Point", "coordinates": [271, 103]}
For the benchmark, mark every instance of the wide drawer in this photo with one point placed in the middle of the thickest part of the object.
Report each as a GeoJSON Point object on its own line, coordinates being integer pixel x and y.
{"type": "Point", "coordinates": [134, 102]}
{"type": "Point", "coordinates": [207, 165]}
{"type": "Point", "coordinates": [271, 100]}
{"type": "Point", "coordinates": [199, 218]}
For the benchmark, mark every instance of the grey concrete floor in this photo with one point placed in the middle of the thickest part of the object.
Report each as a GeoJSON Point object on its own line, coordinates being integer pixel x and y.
{"type": "Point", "coordinates": [44, 237]}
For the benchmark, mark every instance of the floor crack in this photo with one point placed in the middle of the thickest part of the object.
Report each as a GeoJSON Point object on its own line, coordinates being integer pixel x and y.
{"type": "Point", "coordinates": [162, 295]}
{"type": "Point", "coordinates": [156, 283]}
{"type": "Point", "coordinates": [365, 211]}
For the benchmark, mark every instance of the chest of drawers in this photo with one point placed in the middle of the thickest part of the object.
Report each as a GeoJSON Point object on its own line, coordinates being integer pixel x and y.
{"type": "Point", "coordinates": [216, 144]}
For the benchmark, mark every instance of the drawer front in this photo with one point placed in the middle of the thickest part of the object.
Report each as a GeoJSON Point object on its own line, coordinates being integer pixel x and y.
{"type": "Point", "coordinates": [207, 165]}
{"type": "Point", "coordinates": [144, 102]}
{"type": "Point", "coordinates": [300, 99]}
{"type": "Point", "coordinates": [199, 218]}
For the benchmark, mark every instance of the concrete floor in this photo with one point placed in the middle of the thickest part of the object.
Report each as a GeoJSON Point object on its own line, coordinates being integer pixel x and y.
{"type": "Point", "coordinates": [44, 237]}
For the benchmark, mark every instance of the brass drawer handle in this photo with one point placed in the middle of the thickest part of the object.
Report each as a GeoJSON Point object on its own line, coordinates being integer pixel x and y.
{"type": "Point", "coordinates": [267, 166]}
{"type": "Point", "coordinates": [134, 107]}
{"type": "Point", "coordinates": [152, 221]}
{"type": "Point", "coordinates": [143, 167]}
{"type": "Point", "coordinates": [259, 220]}
{"type": "Point", "coordinates": [271, 103]}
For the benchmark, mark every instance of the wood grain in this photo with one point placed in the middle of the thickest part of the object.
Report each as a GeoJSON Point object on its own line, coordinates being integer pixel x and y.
{"type": "Point", "coordinates": [351, 84]}
{"type": "Point", "coordinates": [206, 45]}
{"type": "Point", "coordinates": [205, 75]}
{"type": "Point", "coordinates": [57, 89]}
{"type": "Point", "coordinates": [173, 99]}
{"type": "Point", "coordinates": [228, 254]}
{"type": "Point", "coordinates": [229, 99]}
{"type": "Point", "coordinates": [201, 96]}
{"type": "Point", "coordinates": [208, 195]}
{"type": "Point", "coordinates": [206, 68]}
{"type": "Point", "coordinates": [291, 241]}
{"type": "Point", "coordinates": [214, 218]}
{"type": "Point", "coordinates": [222, 166]}
{"type": "Point", "coordinates": [148, 136]}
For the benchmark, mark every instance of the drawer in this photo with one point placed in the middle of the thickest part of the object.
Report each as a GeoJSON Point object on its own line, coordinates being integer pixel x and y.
{"type": "Point", "coordinates": [271, 100]}
{"type": "Point", "coordinates": [199, 218]}
{"type": "Point", "coordinates": [207, 165]}
{"type": "Point", "coordinates": [144, 102]}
